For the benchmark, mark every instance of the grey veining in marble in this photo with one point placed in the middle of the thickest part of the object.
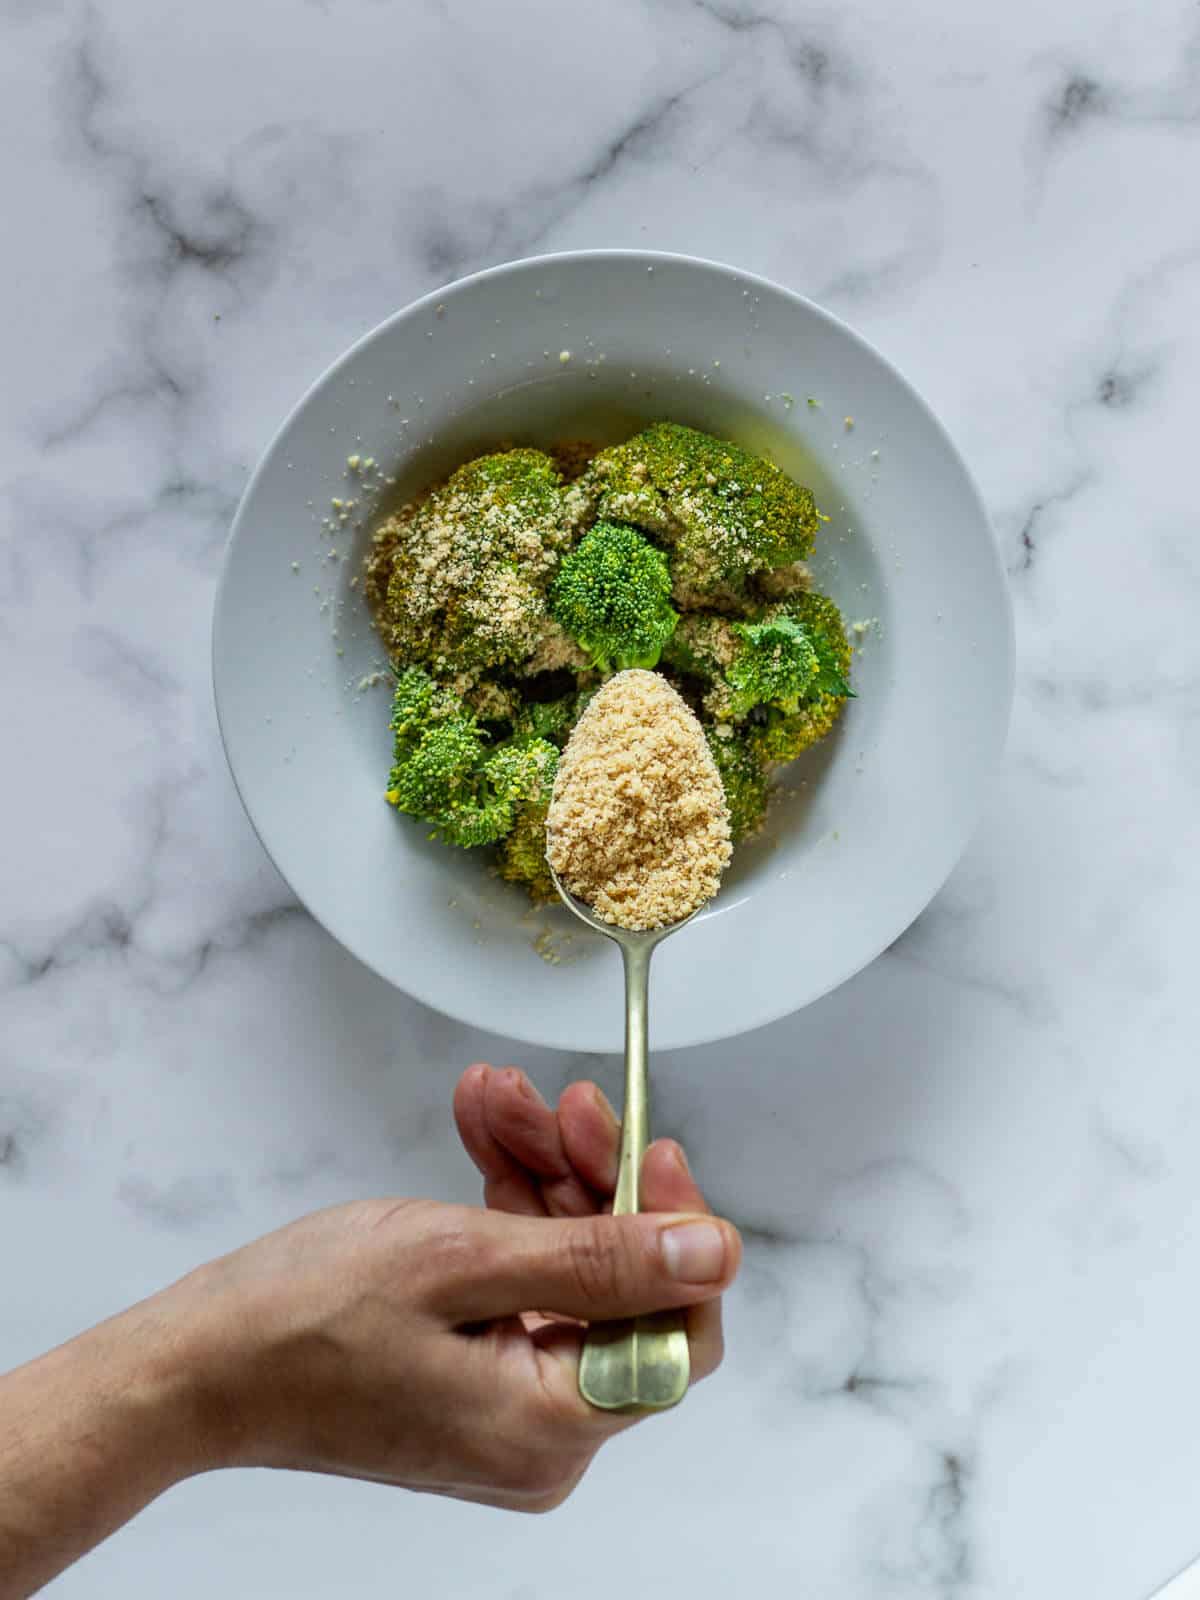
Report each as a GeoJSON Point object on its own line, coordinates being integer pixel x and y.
{"type": "Point", "coordinates": [961, 1359]}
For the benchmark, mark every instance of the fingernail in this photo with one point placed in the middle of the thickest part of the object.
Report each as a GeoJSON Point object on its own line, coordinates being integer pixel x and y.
{"type": "Point", "coordinates": [521, 1083]}
{"type": "Point", "coordinates": [681, 1158]}
{"type": "Point", "coordinates": [606, 1110]}
{"type": "Point", "coordinates": [694, 1252]}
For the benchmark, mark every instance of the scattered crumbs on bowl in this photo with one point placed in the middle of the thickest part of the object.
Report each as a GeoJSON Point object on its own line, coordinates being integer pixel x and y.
{"type": "Point", "coordinates": [554, 946]}
{"type": "Point", "coordinates": [874, 455]}
{"type": "Point", "coordinates": [848, 424]}
{"type": "Point", "coordinates": [789, 400]}
{"type": "Point", "coordinates": [372, 680]}
{"type": "Point", "coordinates": [354, 581]}
{"type": "Point", "coordinates": [716, 363]}
{"type": "Point", "coordinates": [440, 309]}
{"type": "Point", "coordinates": [564, 356]}
{"type": "Point", "coordinates": [650, 271]}
{"type": "Point", "coordinates": [859, 630]}
{"type": "Point", "coordinates": [354, 462]}
{"type": "Point", "coordinates": [295, 566]}
{"type": "Point", "coordinates": [814, 402]}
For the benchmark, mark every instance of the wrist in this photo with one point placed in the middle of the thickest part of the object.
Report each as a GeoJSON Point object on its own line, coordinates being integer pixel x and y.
{"type": "Point", "coordinates": [144, 1379]}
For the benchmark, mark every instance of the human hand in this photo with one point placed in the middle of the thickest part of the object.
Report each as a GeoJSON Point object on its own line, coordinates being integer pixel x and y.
{"type": "Point", "coordinates": [542, 1163]}
{"type": "Point", "coordinates": [436, 1347]}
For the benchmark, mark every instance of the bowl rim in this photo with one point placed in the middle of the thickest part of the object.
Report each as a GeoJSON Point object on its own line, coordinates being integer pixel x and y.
{"type": "Point", "coordinates": [644, 257]}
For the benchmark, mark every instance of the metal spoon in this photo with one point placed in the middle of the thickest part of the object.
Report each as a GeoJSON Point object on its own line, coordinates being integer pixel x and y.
{"type": "Point", "coordinates": [643, 1363]}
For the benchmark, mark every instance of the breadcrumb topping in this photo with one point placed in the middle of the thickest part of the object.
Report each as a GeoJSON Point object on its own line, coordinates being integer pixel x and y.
{"type": "Point", "coordinates": [638, 826]}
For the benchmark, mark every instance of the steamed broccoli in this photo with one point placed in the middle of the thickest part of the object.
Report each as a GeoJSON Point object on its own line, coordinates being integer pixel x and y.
{"type": "Point", "coordinates": [786, 734]}
{"type": "Point", "coordinates": [744, 778]}
{"type": "Point", "coordinates": [725, 513]}
{"type": "Point", "coordinates": [552, 719]}
{"type": "Point", "coordinates": [776, 665]}
{"type": "Point", "coordinates": [522, 854]}
{"type": "Point", "coordinates": [445, 772]}
{"type": "Point", "coordinates": [822, 622]}
{"type": "Point", "coordinates": [789, 657]}
{"type": "Point", "coordinates": [517, 772]}
{"type": "Point", "coordinates": [438, 745]}
{"type": "Point", "coordinates": [612, 594]}
{"type": "Point", "coordinates": [506, 594]}
{"type": "Point", "coordinates": [458, 579]}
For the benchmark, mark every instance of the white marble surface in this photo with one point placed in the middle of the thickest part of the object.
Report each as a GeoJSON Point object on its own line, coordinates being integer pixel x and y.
{"type": "Point", "coordinates": [962, 1354]}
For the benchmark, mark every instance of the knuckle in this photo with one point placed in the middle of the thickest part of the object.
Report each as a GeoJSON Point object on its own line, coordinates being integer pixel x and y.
{"type": "Point", "coordinates": [599, 1262]}
{"type": "Point", "coordinates": [451, 1251]}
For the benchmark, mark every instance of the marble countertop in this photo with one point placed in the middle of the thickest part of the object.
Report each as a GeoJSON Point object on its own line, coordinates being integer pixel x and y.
{"type": "Point", "coordinates": [961, 1358]}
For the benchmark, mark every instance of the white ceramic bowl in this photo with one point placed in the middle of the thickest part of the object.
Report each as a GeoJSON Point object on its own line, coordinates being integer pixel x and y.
{"type": "Point", "coordinates": [876, 816]}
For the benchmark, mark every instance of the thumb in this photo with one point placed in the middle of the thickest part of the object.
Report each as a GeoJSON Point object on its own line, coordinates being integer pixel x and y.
{"type": "Point", "coordinates": [594, 1268]}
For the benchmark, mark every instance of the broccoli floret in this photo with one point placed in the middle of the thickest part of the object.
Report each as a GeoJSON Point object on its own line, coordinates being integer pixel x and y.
{"type": "Point", "coordinates": [522, 855]}
{"type": "Point", "coordinates": [552, 719]}
{"type": "Point", "coordinates": [794, 654]}
{"type": "Point", "coordinates": [517, 772]}
{"type": "Point", "coordinates": [459, 579]}
{"type": "Point", "coordinates": [612, 594]}
{"type": "Point", "coordinates": [744, 778]}
{"type": "Point", "coordinates": [445, 772]}
{"type": "Point", "coordinates": [786, 734]}
{"type": "Point", "coordinates": [822, 622]}
{"type": "Point", "coordinates": [776, 665]}
{"type": "Point", "coordinates": [438, 745]}
{"type": "Point", "coordinates": [725, 513]}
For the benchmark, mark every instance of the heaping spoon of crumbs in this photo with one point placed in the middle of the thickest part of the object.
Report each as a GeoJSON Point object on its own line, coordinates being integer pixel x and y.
{"type": "Point", "coordinates": [638, 819]}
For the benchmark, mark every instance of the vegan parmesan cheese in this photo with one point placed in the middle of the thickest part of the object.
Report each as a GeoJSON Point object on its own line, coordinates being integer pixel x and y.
{"type": "Point", "coordinates": [638, 826]}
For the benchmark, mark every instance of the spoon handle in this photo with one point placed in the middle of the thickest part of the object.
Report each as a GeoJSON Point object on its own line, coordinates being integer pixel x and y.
{"type": "Point", "coordinates": [640, 1364]}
